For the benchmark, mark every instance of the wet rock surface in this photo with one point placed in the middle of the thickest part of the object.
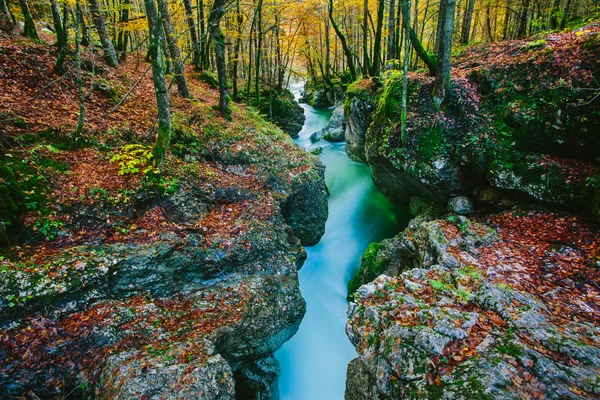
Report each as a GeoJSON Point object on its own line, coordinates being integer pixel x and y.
{"type": "Point", "coordinates": [334, 130]}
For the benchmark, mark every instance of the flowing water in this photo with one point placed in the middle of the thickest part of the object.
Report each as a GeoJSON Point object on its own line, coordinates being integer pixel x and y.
{"type": "Point", "coordinates": [314, 361]}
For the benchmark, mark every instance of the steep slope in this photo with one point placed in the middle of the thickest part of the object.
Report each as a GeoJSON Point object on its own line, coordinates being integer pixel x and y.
{"type": "Point", "coordinates": [120, 282]}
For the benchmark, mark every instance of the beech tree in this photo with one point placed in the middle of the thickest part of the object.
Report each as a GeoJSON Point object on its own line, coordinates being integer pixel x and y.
{"type": "Point", "coordinates": [163, 137]}
{"type": "Point", "coordinates": [214, 20]}
{"type": "Point", "coordinates": [29, 25]}
{"type": "Point", "coordinates": [110, 55]}
{"type": "Point", "coordinates": [442, 72]}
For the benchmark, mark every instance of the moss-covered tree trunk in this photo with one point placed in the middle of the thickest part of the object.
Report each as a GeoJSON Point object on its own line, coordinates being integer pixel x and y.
{"type": "Point", "coordinates": [466, 26]}
{"type": "Point", "coordinates": [429, 59]}
{"type": "Point", "coordinates": [29, 27]}
{"type": "Point", "coordinates": [391, 48]}
{"type": "Point", "coordinates": [189, 13]}
{"type": "Point", "coordinates": [62, 37]}
{"type": "Point", "coordinates": [236, 52]}
{"type": "Point", "coordinates": [163, 138]}
{"type": "Point", "coordinates": [182, 86]}
{"type": "Point", "coordinates": [442, 74]}
{"type": "Point", "coordinates": [7, 20]}
{"type": "Point", "coordinates": [110, 55]}
{"type": "Point", "coordinates": [214, 20]}
{"type": "Point", "coordinates": [406, 25]}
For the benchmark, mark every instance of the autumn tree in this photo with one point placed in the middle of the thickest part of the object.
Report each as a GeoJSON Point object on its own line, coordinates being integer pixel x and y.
{"type": "Point", "coordinates": [110, 55]}
{"type": "Point", "coordinates": [442, 73]}
{"type": "Point", "coordinates": [216, 13]}
{"type": "Point", "coordinates": [163, 137]}
{"type": "Point", "coordinates": [29, 25]}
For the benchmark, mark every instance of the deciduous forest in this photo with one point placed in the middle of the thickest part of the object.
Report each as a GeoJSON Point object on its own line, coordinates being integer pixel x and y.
{"type": "Point", "coordinates": [306, 199]}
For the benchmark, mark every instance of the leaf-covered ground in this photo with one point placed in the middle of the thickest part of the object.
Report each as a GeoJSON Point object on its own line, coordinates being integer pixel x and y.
{"type": "Point", "coordinates": [79, 201]}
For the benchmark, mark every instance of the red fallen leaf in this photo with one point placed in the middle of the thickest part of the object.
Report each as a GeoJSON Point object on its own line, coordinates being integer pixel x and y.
{"type": "Point", "coordinates": [529, 363]}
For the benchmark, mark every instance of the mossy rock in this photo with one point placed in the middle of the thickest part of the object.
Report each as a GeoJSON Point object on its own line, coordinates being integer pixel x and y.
{"type": "Point", "coordinates": [425, 208]}
{"type": "Point", "coordinates": [210, 78]}
{"type": "Point", "coordinates": [371, 266]}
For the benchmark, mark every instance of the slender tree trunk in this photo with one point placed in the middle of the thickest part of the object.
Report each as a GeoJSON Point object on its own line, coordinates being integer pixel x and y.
{"type": "Point", "coordinates": [58, 28]}
{"type": "Point", "coordinates": [365, 28]}
{"type": "Point", "coordinates": [6, 18]}
{"type": "Point", "coordinates": [488, 24]}
{"type": "Point", "coordinates": [29, 27]}
{"type": "Point", "coordinates": [506, 20]}
{"type": "Point", "coordinates": [178, 68]}
{"type": "Point", "coordinates": [466, 27]}
{"type": "Point", "coordinates": [64, 40]}
{"type": "Point", "coordinates": [259, 49]}
{"type": "Point", "coordinates": [407, 28]}
{"type": "Point", "coordinates": [523, 18]}
{"type": "Point", "coordinates": [429, 59]}
{"type": "Point", "coordinates": [375, 66]}
{"type": "Point", "coordinates": [347, 52]}
{"type": "Point", "coordinates": [391, 50]}
{"type": "Point", "coordinates": [110, 55]}
{"type": "Point", "coordinates": [81, 119]}
{"type": "Point", "coordinates": [565, 17]}
{"type": "Point", "coordinates": [236, 51]}
{"type": "Point", "coordinates": [189, 13]}
{"type": "Point", "coordinates": [441, 85]}
{"type": "Point", "coordinates": [124, 33]}
{"type": "Point", "coordinates": [163, 138]}
{"type": "Point", "coordinates": [214, 20]}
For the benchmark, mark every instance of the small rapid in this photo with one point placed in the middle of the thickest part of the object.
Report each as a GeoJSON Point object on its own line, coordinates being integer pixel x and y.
{"type": "Point", "coordinates": [314, 361]}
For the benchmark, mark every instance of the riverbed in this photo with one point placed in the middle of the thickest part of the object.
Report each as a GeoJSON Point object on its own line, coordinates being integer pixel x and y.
{"type": "Point", "coordinates": [314, 361]}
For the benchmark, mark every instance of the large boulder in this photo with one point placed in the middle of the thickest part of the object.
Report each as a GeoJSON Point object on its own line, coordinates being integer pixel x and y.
{"type": "Point", "coordinates": [282, 109]}
{"type": "Point", "coordinates": [504, 124]}
{"type": "Point", "coordinates": [359, 107]}
{"type": "Point", "coordinates": [468, 311]}
{"type": "Point", "coordinates": [334, 130]}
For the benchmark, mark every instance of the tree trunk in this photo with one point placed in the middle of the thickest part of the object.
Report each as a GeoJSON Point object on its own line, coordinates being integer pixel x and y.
{"type": "Point", "coordinates": [259, 49]}
{"type": "Point", "coordinates": [58, 28]}
{"type": "Point", "coordinates": [523, 19]}
{"type": "Point", "coordinates": [466, 27]}
{"type": "Point", "coordinates": [214, 19]}
{"type": "Point", "coordinates": [565, 17]}
{"type": "Point", "coordinates": [178, 68]}
{"type": "Point", "coordinates": [110, 55]}
{"type": "Point", "coordinates": [163, 138]}
{"type": "Point", "coordinates": [365, 28]}
{"type": "Point", "coordinates": [429, 59]}
{"type": "Point", "coordinates": [29, 28]}
{"type": "Point", "coordinates": [64, 40]}
{"type": "Point", "coordinates": [345, 46]}
{"type": "Point", "coordinates": [189, 13]}
{"type": "Point", "coordinates": [406, 25]}
{"type": "Point", "coordinates": [124, 33]}
{"type": "Point", "coordinates": [7, 20]}
{"type": "Point", "coordinates": [442, 74]}
{"type": "Point", "coordinates": [236, 51]}
{"type": "Point", "coordinates": [391, 50]}
{"type": "Point", "coordinates": [377, 42]}
{"type": "Point", "coordinates": [439, 27]}
{"type": "Point", "coordinates": [81, 119]}
{"type": "Point", "coordinates": [488, 24]}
